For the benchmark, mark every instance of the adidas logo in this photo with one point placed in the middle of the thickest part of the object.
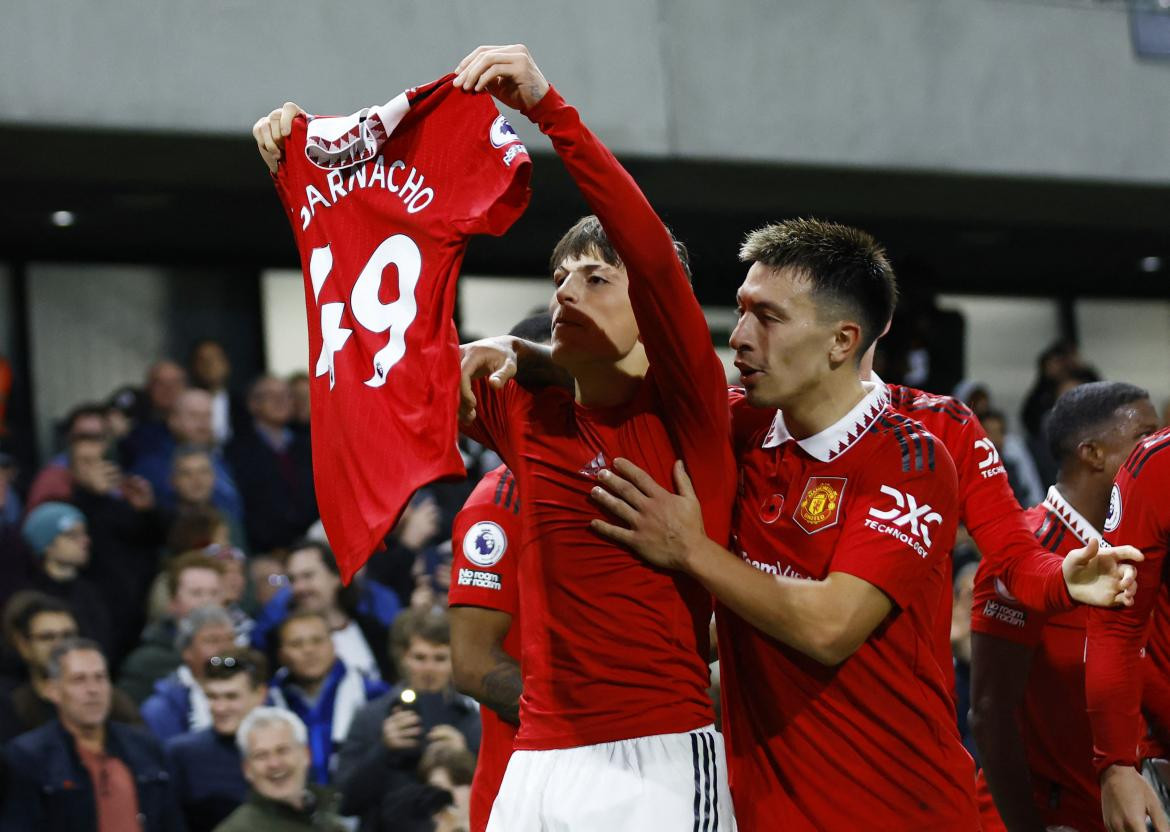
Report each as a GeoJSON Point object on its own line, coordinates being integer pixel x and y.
{"type": "Point", "coordinates": [594, 466]}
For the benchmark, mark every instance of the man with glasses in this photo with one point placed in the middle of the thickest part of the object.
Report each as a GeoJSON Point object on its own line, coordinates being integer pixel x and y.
{"type": "Point", "coordinates": [35, 623]}
{"type": "Point", "coordinates": [206, 764]}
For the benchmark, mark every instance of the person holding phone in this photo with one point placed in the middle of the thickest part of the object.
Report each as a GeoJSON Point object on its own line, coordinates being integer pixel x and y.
{"type": "Point", "coordinates": [378, 762]}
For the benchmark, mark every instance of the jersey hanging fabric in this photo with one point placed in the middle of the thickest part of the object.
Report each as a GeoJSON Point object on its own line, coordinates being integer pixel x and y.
{"type": "Point", "coordinates": [382, 204]}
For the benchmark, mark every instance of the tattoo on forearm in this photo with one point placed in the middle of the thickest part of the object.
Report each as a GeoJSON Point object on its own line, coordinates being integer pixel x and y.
{"type": "Point", "coordinates": [501, 687]}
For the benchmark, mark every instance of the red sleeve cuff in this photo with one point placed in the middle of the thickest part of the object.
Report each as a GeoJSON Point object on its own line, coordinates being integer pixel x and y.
{"type": "Point", "coordinates": [546, 107]}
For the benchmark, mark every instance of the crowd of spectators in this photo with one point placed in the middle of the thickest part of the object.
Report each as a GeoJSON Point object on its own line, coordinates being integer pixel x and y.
{"type": "Point", "coordinates": [179, 648]}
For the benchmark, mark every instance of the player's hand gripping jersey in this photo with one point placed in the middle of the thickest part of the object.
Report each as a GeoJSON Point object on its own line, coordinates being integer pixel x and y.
{"type": "Point", "coordinates": [1054, 727]}
{"type": "Point", "coordinates": [382, 204]}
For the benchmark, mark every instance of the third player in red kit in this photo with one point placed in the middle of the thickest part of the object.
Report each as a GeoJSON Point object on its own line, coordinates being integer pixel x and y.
{"type": "Point", "coordinates": [1028, 670]}
{"type": "Point", "coordinates": [486, 541]}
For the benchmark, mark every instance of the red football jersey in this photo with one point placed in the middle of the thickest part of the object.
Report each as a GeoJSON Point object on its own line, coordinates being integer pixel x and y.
{"type": "Point", "coordinates": [987, 506]}
{"type": "Point", "coordinates": [485, 544]}
{"type": "Point", "coordinates": [1054, 727]}
{"type": "Point", "coordinates": [873, 742]}
{"type": "Point", "coordinates": [1139, 516]}
{"type": "Point", "coordinates": [382, 204]}
{"type": "Point", "coordinates": [612, 647]}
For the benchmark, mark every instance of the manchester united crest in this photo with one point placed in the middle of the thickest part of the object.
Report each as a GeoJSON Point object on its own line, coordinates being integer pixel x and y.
{"type": "Point", "coordinates": [820, 504]}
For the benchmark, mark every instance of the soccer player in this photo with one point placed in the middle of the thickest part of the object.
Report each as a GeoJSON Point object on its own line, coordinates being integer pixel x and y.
{"type": "Point", "coordinates": [615, 724]}
{"type": "Point", "coordinates": [1139, 513]}
{"type": "Point", "coordinates": [837, 713]}
{"type": "Point", "coordinates": [1038, 765]}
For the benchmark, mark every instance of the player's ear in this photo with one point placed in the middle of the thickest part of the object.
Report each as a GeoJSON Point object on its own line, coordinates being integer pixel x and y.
{"type": "Point", "coordinates": [846, 343]}
{"type": "Point", "coordinates": [1091, 455]}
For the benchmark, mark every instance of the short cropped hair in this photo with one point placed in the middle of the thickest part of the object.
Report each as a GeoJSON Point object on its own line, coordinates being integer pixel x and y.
{"type": "Point", "coordinates": [70, 645]}
{"type": "Point", "coordinates": [848, 268]}
{"type": "Point", "coordinates": [185, 561]}
{"type": "Point", "coordinates": [26, 605]}
{"type": "Point", "coordinates": [431, 626]}
{"type": "Point", "coordinates": [231, 663]}
{"type": "Point", "coordinates": [298, 615]}
{"type": "Point", "coordinates": [459, 763]}
{"type": "Point", "coordinates": [1083, 412]}
{"type": "Point", "coordinates": [194, 621]}
{"type": "Point", "coordinates": [587, 236]}
{"type": "Point", "coordinates": [267, 715]}
{"type": "Point", "coordinates": [184, 452]}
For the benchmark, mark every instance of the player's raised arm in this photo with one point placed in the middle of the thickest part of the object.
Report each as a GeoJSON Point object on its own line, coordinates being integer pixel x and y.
{"type": "Point", "coordinates": [670, 320]}
{"type": "Point", "coordinates": [271, 130]}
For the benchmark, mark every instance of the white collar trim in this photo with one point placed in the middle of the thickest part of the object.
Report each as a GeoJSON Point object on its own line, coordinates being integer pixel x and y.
{"type": "Point", "coordinates": [839, 437]}
{"type": "Point", "coordinates": [1072, 518]}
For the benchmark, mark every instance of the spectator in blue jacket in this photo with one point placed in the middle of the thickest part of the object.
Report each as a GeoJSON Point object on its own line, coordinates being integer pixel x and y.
{"type": "Point", "coordinates": [206, 764]}
{"type": "Point", "coordinates": [359, 615]}
{"type": "Point", "coordinates": [81, 772]}
{"type": "Point", "coordinates": [178, 704]}
{"type": "Point", "coordinates": [318, 687]}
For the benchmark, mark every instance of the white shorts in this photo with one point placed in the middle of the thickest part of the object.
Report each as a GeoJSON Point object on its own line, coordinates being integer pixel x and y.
{"type": "Point", "coordinates": [664, 783]}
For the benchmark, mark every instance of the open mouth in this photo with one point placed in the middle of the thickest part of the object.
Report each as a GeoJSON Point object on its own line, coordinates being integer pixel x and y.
{"type": "Point", "coordinates": [747, 373]}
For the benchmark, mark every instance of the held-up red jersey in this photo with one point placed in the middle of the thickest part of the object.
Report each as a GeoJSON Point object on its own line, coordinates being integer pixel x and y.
{"type": "Point", "coordinates": [987, 506]}
{"type": "Point", "coordinates": [382, 204]}
{"type": "Point", "coordinates": [872, 743]}
{"type": "Point", "coordinates": [612, 647]}
{"type": "Point", "coordinates": [1054, 727]}
{"type": "Point", "coordinates": [486, 541]}
{"type": "Point", "coordinates": [1139, 516]}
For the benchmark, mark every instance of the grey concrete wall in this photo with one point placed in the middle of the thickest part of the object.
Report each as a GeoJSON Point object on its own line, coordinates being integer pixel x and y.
{"type": "Point", "coordinates": [1002, 86]}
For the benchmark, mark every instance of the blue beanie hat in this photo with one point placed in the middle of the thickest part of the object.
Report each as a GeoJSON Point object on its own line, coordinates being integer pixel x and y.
{"type": "Point", "coordinates": [48, 520]}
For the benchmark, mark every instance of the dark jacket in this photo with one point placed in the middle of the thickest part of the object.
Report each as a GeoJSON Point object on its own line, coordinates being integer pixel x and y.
{"type": "Point", "coordinates": [154, 658]}
{"type": "Point", "coordinates": [209, 782]}
{"type": "Point", "coordinates": [123, 561]}
{"type": "Point", "coordinates": [49, 788]}
{"type": "Point", "coordinates": [260, 814]}
{"type": "Point", "coordinates": [370, 776]}
{"type": "Point", "coordinates": [167, 711]}
{"type": "Point", "coordinates": [277, 488]}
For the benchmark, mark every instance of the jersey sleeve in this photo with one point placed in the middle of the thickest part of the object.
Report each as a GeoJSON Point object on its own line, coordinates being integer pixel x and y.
{"type": "Point", "coordinates": [493, 169]}
{"type": "Point", "coordinates": [485, 545]}
{"type": "Point", "coordinates": [494, 423]}
{"type": "Point", "coordinates": [995, 612]}
{"type": "Point", "coordinates": [687, 374]}
{"type": "Point", "coordinates": [898, 525]}
{"type": "Point", "coordinates": [1032, 575]}
{"type": "Point", "coordinates": [1117, 637]}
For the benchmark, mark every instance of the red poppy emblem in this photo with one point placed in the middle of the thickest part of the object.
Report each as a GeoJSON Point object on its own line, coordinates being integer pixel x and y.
{"type": "Point", "coordinates": [772, 508]}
